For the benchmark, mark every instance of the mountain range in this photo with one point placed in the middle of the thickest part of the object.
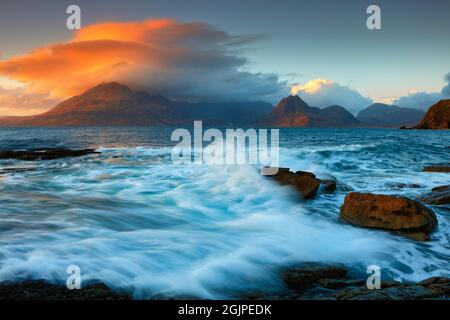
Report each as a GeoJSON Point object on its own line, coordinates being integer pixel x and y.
{"type": "Point", "coordinates": [294, 112]}
{"type": "Point", "coordinates": [113, 104]}
{"type": "Point", "coordinates": [383, 115]}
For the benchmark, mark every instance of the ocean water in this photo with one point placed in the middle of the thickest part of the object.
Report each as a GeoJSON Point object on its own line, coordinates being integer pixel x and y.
{"type": "Point", "coordinates": [137, 222]}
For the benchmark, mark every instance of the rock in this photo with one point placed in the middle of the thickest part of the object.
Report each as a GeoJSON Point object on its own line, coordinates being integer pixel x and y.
{"type": "Point", "coordinates": [401, 185]}
{"type": "Point", "coordinates": [304, 182]}
{"type": "Point", "coordinates": [440, 285]}
{"type": "Point", "coordinates": [437, 117]}
{"type": "Point", "coordinates": [436, 169]}
{"type": "Point", "coordinates": [431, 288]}
{"type": "Point", "coordinates": [437, 196]}
{"type": "Point", "coordinates": [341, 283]}
{"type": "Point", "coordinates": [303, 276]}
{"type": "Point", "coordinates": [329, 185]}
{"type": "Point", "coordinates": [403, 292]}
{"type": "Point", "coordinates": [386, 212]}
{"type": "Point", "coordinates": [15, 170]}
{"type": "Point", "coordinates": [45, 154]}
{"type": "Point", "coordinates": [317, 281]}
{"type": "Point", "coordinates": [42, 290]}
{"type": "Point", "coordinates": [417, 236]}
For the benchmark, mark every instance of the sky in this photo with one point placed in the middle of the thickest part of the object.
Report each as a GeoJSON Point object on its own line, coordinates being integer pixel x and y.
{"type": "Point", "coordinates": [226, 50]}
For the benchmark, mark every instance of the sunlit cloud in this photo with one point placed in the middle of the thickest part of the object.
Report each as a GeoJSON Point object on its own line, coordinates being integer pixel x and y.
{"type": "Point", "coordinates": [311, 86]}
{"type": "Point", "coordinates": [324, 92]}
{"type": "Point", "coordinates": [180, 60]}
{"type": "Point", "coordinates": [18, 102]}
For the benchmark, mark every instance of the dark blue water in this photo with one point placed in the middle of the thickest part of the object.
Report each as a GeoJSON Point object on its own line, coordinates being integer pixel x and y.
{"type": "Point", "coordinates": [131, 218]}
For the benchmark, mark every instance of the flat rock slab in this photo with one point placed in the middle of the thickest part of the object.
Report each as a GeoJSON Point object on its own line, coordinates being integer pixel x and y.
{"type": "Point", "coordinates": [387, 212]}
{"type": "Point", "coordinates": [45, 154]}
{"type": "Point", "coordinates": [436, 169]}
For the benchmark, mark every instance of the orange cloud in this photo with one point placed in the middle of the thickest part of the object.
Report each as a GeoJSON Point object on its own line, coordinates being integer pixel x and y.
{"type": "Point", "coordinates": [183, 60]}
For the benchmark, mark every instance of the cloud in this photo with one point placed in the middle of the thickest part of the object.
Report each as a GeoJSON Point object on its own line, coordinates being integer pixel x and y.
{"type": "Point", "coordinates": [423, 100]}
{"type": "Point", "coordinates": [180, 60]}
{"type": "Point", "coordinates": [324, 92]}
{"type": "Point", "coordinates": [17, 102]}
{"type": "Point", "coordinates": [418, 100]}
{"type": "Point", "coordinates": [446, 90]}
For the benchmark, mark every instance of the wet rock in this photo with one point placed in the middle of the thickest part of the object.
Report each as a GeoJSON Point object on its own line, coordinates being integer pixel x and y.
{"type": "Point", "coordinates": [45, 154]}
{"type": "Point", "coordinates": [436, 169]}
{"type": "Point", "coordinates": [440, 285]}
{"type": "Point", "coordinates": [417, 236]}
{"type": "Point", "coordinates": [15, 170]}
{"type": "Point", "coordinates": [402, 292]}
{"type": "Point", "coordinates": [386, 212]}
{"type": "Point", "coordinates": [303, 276]}
{"type": "Point", "coordinates": [304, 182]}
{"type": "Point", "coordinates": [431, 288]}
{"type": "Point", "coordinates": [316, 281]}
{"type": "Point", "coordinates": [403, 185]}
{"type": "Point", "coordinates": [341, 283]}
{"type": "Point", "coordinates": [437, 196]}
{"type": "Point", "coordinates": [329, 185]}
{"type": "Point", "coordinates": [42, 290]}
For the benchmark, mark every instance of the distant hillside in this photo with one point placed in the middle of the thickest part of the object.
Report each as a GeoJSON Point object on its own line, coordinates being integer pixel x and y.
{"type": "Point", "coordinates": [294, 112]}
{"type": "Point", "coordinates": [383, 115]}
{"type": "Point", "coordinates": [437, 117]}
{"type": "Point", "coordinates": [113, 104]}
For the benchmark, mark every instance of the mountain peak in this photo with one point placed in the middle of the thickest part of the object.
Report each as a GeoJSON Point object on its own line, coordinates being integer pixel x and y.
{"type": "Point", "coordinates": [109, 85]}
{"type": "Point", "coordinates": [292, 103]}
{"type": "Point", "coordinates": [109, 90]}
{"type": "Point", "coordinates": [293, 99]}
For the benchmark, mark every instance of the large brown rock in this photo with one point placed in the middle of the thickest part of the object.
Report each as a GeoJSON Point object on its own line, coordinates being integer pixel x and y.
{"type": "Point", "coordinates": [304, 182]}
{"type": "Point", "coordinates": [437, 196]}
{"type": "Point", "coordinates": [437, 117]}
{"type": "Point", "coordinates": [400, 214]}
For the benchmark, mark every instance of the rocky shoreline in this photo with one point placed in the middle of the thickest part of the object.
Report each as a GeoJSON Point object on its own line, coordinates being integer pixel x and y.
{"type": "Point", "coordinates": [306, 281]}
{"type": "Point", "coordinates": [400, 215]}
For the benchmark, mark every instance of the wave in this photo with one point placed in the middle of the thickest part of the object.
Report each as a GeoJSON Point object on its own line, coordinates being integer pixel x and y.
{"type": "Point", "coordinates": [135, 221]}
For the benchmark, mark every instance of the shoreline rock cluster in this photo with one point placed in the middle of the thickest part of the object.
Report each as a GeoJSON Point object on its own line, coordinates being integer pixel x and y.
{"type": "Point", "coordinates": [306, 281]}
{"type": "Point", "coordinates": [400, 215]}
{"type": "Point", "coordinates": [316, 281]}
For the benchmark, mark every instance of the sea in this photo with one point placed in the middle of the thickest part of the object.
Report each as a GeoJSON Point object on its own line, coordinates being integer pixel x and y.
{"type": "Point", "coordinates": [134, 220]}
